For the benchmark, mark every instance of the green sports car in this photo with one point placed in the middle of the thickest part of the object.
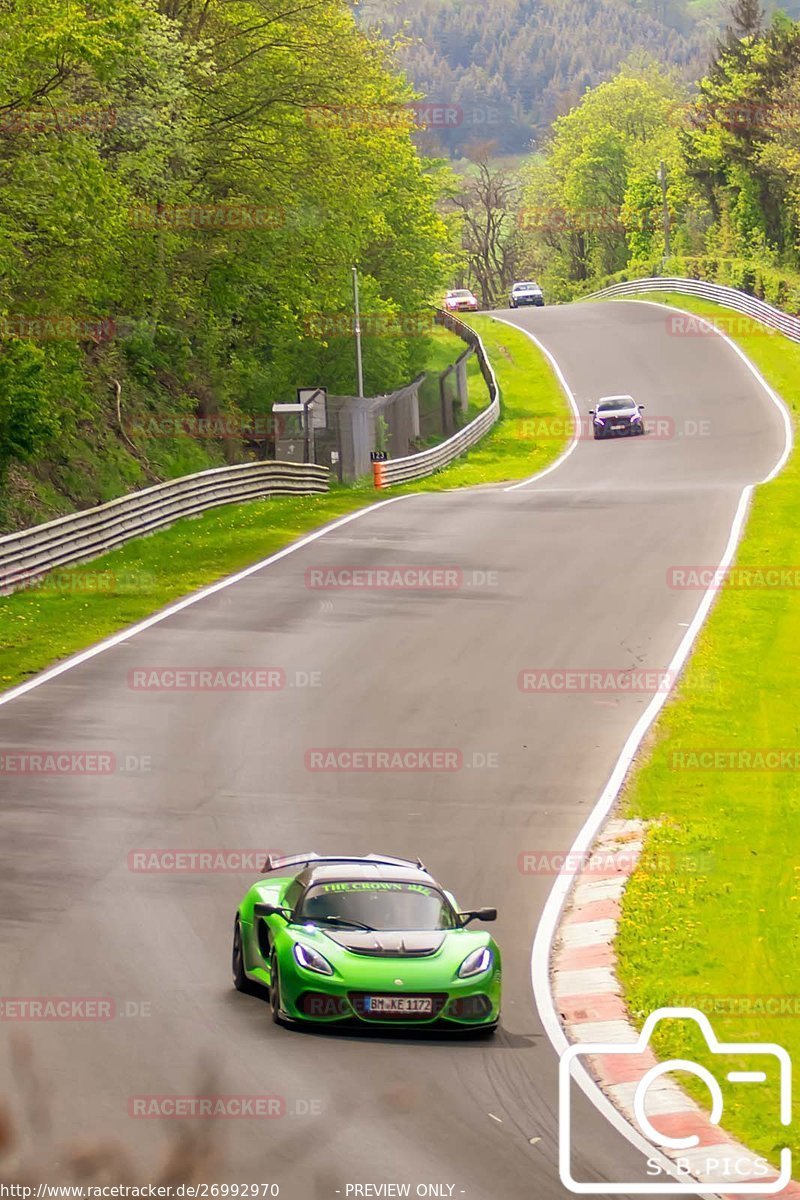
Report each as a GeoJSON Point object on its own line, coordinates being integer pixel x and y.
{"type": "Point", "coordinates": [365, 941]}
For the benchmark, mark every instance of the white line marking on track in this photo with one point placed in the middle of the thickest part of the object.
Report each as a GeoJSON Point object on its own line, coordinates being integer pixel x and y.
{"type": "Point", "coordinates": [540, 955]}
{"type": "Point", "coordinates": [548, 923]}
{"type": "Point", "coordinates": [777, 400]}
{"type": "Point", "coordinates": [131, 631]}
{"type": "Point", "coordinates": [567, 392]}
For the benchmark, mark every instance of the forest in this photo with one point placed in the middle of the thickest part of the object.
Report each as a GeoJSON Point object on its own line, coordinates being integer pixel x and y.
{"type": "Point", "coordinates": [649, 173]}
{"type": "Point", "coordinates": [512, 66]}
{"type": "Point", "coordinates": [185, 186]}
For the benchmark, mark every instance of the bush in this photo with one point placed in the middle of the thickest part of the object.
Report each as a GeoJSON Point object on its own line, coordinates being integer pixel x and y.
{"type": "Point", "coordinates": [775, 286]}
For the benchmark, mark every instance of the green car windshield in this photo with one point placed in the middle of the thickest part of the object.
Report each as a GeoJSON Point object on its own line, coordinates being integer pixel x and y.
{"type": "Point", "coordinates": [377, 905]}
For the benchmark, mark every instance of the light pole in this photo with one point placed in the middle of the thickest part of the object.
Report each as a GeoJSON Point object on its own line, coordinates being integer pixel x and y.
{"type": "Point", "coordinates": [662, 179]}
{"type": "Point", "coordinates": [357, 331]}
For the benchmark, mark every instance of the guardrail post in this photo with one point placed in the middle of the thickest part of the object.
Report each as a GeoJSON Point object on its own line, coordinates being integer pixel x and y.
{"type": "Point", "coordinates": [29, 554]}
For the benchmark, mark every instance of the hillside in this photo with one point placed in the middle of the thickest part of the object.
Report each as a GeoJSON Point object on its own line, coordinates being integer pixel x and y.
{"type": "Point", "coordinates": [511, 66]}
{"type": "Point", "coordinates": [179, 218]}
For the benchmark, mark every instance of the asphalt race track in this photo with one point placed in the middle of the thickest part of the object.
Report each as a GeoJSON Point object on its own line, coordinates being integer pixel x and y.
{"type": "Point", "coordinates": [568, 572]}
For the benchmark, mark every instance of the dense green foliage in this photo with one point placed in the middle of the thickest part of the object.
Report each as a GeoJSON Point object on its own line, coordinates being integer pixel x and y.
{"type": "Point", "coordinates": [593, 204]}
{"type": "Point", "coordinates": [74, 607]}
{"type": "Point", "coordinates": [512, 66]}
{"type": "Point", "coordinates": [720, 851]}
{"type": "Point", "coordinates": [184, 186]}
{"type": "Point", "coordinates": [776, 285]}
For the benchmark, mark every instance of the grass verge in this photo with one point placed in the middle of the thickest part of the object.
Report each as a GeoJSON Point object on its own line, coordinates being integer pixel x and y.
{"type": "Point", "coordinates": [710, 918]}
{"type": "Point", "coordinates": [74, 608]}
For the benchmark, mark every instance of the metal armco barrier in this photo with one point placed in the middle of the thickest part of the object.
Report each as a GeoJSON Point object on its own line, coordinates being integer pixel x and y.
{"type": "Point", "coordinates": [759, 310]}
{"type": "Point", "coordinates": [28, 554]}
{"type": "Point", "coordinates": [417, 466]}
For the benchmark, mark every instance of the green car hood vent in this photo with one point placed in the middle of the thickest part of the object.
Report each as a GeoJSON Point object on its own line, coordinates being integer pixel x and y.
{"type": "Point", "coordinates": [388, 943]}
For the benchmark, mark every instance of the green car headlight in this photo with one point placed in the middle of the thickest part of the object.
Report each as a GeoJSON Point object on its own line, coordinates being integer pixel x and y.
{"type": "Point", "coordinates": [311, 959]}
{"type": "Point", "coordinates": [476, 963]}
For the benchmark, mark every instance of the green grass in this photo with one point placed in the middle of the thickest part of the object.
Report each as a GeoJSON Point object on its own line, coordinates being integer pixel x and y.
{"type": "Point", "coordinates": [713, 912]}
{"type": "Point", "coordinates": [62, 616]}
{"type": "Point", "coordinates": [445, 348]}
{"type": "Point", "coordinates": [536, 422]}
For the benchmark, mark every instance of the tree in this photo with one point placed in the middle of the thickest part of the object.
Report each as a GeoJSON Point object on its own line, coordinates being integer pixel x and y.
{"type": "Point", "coordinates": [130, 128]}
{"type": "Point", "coordinates": [580, 207]}
{"type": "Point", "coordinates": [746, 21]}
{"type": "Point", "coordinates": [486, 207]}
{"type": "Point", "coordinates": [28, 415]}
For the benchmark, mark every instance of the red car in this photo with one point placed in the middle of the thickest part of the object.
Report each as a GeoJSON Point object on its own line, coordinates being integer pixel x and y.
{"type": "Point", "coordinates": [461, 300]}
